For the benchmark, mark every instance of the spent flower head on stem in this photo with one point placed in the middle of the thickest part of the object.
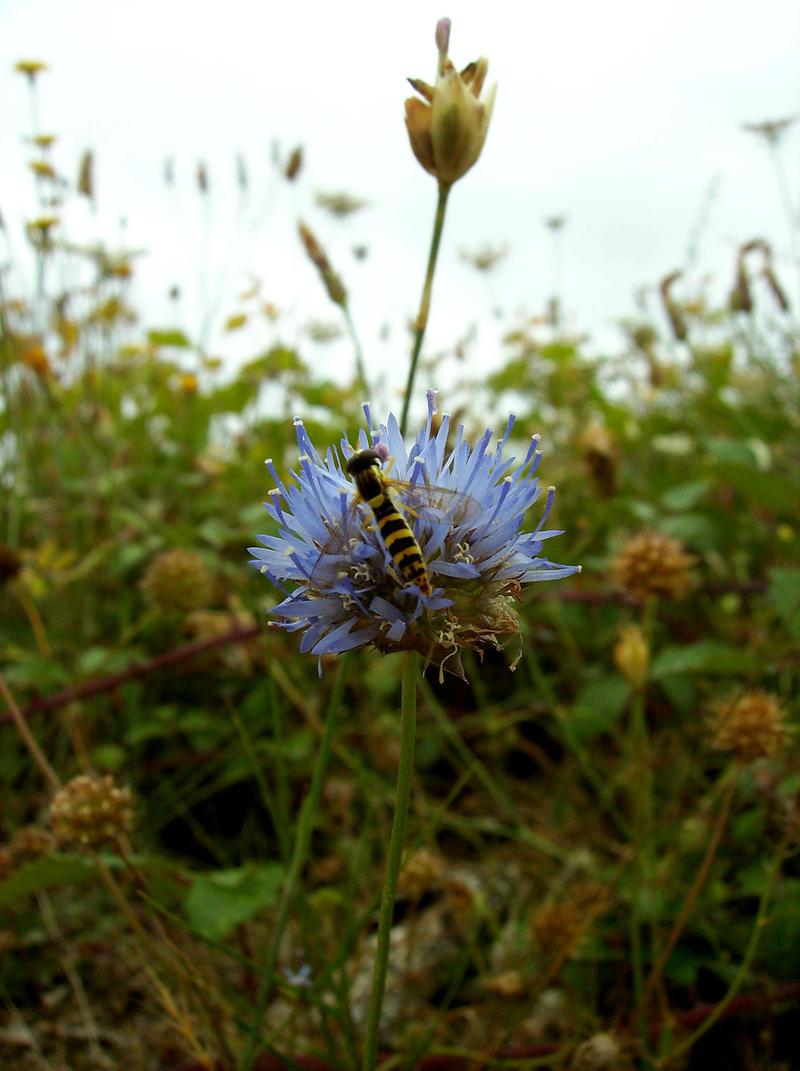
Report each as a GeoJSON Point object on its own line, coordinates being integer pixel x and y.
{"type": "Point", "coordinates": [452, 514]}
{"type": "Point", "coordinates": [448, 126]}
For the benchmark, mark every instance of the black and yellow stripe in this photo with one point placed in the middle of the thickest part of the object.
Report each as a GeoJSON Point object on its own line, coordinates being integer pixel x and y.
{"type": "Point", "coordinates": [365, 468]}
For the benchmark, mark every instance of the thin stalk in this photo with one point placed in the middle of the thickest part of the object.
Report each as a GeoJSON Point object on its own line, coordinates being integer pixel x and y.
{"type": "Point", "coordinates": [425, 303]}
{"type": "Point", "coordinates": [642, 806]}
{"type": "Point", "coordinates": [28, 738]}
{"type": "Point", "coordinates": [408, 718]}
{"type": "Point", "coordinates": [761, 921]}
{"type": "Point", "coordinates": [305, 827]}
{"type": "Point", "coordinates": [693, 893]}
{"type": "Point", "coordinates": [361, 371]}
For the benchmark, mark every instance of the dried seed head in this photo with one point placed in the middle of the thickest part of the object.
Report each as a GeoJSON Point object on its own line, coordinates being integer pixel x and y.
{"type": "Point", "coordinates": [653, 565]}
{"type": "Point", "coordinates": [178, 581]}
{"type": "Point", "coordinates": [31, 842]}
{"type": "Point", "coordinates": [294, 164]}
{"type": "Point", "coordinates": [560, 925]}
{"type": "Point", "coordinates": [34, 356]}
{"type": "Point", "coordinates": [333, 284]}
{"type": "Point", "coordinates": [422, 873]}
{"type": "Point", "coordinates": [86, 175]}
{"type": "Point", "coordinates": [600, 455]}
{"type": "Point", "coordinates": [90, 811]}
{"type": "Point", "coordinates": [752, 726]}
{"type": "Point", "coordinates": [599, 1053]}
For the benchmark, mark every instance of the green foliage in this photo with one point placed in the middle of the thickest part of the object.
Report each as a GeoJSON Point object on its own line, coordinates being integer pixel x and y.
{"type": "Point", "coordinates": [220, 901]}
{"type": "Point", "coordinates": [563, 832]}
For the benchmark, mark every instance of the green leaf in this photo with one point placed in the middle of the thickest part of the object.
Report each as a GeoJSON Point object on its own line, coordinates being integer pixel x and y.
{"type": "Point", "coordinates": [707, 656]}
{"type": "Point", "coordinates": [784, 595]}
{"type": "Point", "coordinates": [169, 336]}
{"type": "Point", "coordinates": [733, 452]}
{"type": "Point", "coordinates": [45, 873]}
{"type": "Point", "coordinates": [597, 709]}
{"type": "Point", "coordinates": [693, 528]}
{"type": "Point", "coordinates": [781, 940]}
{"type": "Point", "coordinates": [219, 901]}
{"type": "Point", "coordinates": [685, 496]}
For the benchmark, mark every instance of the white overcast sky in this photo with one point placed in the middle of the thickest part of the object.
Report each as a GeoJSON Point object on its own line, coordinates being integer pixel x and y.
{"type": "Point", "coordinates": [620, 116]}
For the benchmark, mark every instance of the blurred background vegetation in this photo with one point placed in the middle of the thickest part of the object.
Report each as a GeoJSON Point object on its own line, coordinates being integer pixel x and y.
{"type": "Point", "coordinates": [602, 865]}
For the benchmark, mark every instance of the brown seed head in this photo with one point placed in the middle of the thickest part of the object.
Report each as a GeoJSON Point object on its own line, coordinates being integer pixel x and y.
{"type": "Point", "coordinates": [653, 565]}
{"type": "Point", "coordinates": [178, 581]}
{"type": "Point", "coordinates": [34, 356]}
{"type": "Point", "coordinates": [31, 842]}
{"type": "Point", "coordinates": [422, 873]}
{"type": "Point", "coordinates": [86, 175]}
{"type": "Point", "coordinates": [599, 1053]}
{"type": "Point", "coordinates": [752, 726]}
{"type": "Point", "coordinates": [333, 284]}
{"type": "Point", "coordinates": [560, 926]}
{"type": "Point", "coordinates": [90, 811]}
{"type": "Point", "coordinates": [600, 454]}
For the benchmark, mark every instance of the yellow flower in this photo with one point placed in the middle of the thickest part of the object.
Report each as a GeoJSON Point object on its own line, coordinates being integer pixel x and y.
{"type": "Point", "coordinates": [30, 68]}
{"type": "Point", "coordinates": [447, 128]}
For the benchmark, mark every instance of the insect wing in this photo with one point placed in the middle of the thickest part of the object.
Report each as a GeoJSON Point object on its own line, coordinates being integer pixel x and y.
{"type": "Point", "coordinates": [426, 506]}
{"type": "Point", "coordinates": [341, 548]}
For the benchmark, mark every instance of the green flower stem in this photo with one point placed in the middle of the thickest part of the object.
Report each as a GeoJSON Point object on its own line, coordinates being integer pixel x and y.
{"type": "Point", "coordinates": [697, 885]}
{"type": "Point", "coordinates": [761, 921]}
{"type": "Point", "coordinates": [642, 806]}
{"type": "Point", "coordinates": [361, 372]}
{"type": "Point", "coordinates": [408, 718]}
{"type": "Point", "coordinates": [425, 303]}
{"type": "Point", "coordinates": [305, 827]}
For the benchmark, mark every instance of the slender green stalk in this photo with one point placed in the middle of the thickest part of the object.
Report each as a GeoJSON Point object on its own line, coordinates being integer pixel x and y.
{"type": "Point", "coordinates": [761, 921]}
{"type": "Point", "coordinates": [305, 827]}
{"type": "Point", "coordinates": [642, 806]}
{"type": "Point", "coordinates": [425, 303]}
{"type": "Point", "coordinates": [408, 716]}
{"type": "Point", "coordinates": [361, 371]}
{"type": "Point", "coordinates": [697, 885]}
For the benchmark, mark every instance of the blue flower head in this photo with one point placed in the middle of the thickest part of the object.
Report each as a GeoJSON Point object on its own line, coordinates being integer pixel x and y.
{"type": "Point", "coordinates": [465, 506]}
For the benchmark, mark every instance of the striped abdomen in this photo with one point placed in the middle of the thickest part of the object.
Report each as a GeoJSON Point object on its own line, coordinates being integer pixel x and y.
{"type": "Point", "coordinates": [365, 467]}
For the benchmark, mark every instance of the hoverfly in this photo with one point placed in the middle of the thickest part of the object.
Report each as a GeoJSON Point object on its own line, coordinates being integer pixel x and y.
{"type": "Point", "coordinates": [386, 499]}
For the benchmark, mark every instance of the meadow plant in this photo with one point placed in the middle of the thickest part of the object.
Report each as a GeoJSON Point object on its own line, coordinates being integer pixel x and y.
{"type": "Point", "coordinates": [600, 850]}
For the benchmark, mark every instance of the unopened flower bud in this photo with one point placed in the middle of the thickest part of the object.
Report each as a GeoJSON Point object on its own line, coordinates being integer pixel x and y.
{"type": "Point", "coordinates": [632, 656]}
{"type": "Point", "coordinates": [448, 127]}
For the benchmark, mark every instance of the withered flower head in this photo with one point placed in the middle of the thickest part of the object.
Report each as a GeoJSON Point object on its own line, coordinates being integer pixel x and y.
{"type": "Point", "coordinates": [653, 565]}
{"type": "Point", "coordinates": [178, 581]}
{"type": "Point", "coordinates": [448, 127]}
{"type": "Point", "coordinates": [90, 811]}
{"type": "Point", "coordinates": [752, 726]}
